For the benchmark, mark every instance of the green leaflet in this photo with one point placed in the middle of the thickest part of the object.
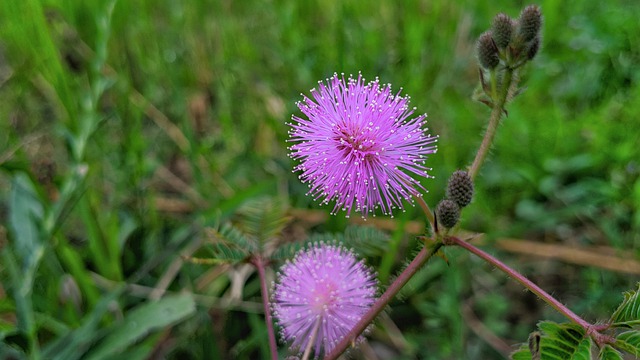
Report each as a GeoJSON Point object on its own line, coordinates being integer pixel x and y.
{"type": "Point", "coordinates": [609, 353]}
{"type": "Point", "coordinates": [628, 313]}
{"type": "Point", "coordinates": [366, 240]}
{"type": "Point", "coordinates": [263, 219]}
{"type": "Point", "coordinates": [558, 342]}
{"type": "Point", "coordinates": [142, 321]}
{"type": "Point", "coordinates": [629, 341]}
{"type": "Point", "coordinates": [75, 343]}
{"type": "Point", "coordinates": [522, 353]}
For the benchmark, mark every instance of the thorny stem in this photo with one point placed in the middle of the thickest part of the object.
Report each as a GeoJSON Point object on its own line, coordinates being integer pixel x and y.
{"type": "Point", "coordinates": [494, 121]}
{"type": "Point", "coordinates": [258, 262]}
{"type": "Point", "coordinates": [312, 340]}
{"type": "Point", "coordinates": [425, 254]}
{"type": "Point", "coordinates": [590, 329]}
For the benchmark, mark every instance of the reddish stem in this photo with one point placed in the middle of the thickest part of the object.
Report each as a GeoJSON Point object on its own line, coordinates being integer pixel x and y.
{"type": "Point", "coordinates": [590, 329]}
{"type": "Point", "coordinates": [259, 263]}
{"type": "Point", "coordinates": [425, 254]}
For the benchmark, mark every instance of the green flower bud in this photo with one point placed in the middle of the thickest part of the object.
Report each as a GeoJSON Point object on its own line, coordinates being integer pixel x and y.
{"type": "Point", "coordinates": [460, 188]}
{"type": "Point", "coordinates": [487, 51]}
{"type": "Point", "coordinates": [502, 29]}
{"type": "Point", "coordinates": [530, 23]}
{"type": "Point", "coordinates": [448, 213]}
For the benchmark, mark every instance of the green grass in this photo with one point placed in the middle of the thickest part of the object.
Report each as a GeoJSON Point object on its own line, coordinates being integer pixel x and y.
{"type": "Point", "coordinates": [125, 132]}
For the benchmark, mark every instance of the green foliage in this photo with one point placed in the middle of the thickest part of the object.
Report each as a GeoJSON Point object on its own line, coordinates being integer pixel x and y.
{"type": "Point", "coordinates": [558, 342]}
{"type": "Point", "coordinates": [523, 353]}
{"type": "Point", "coordinates": [76, 342]}
{"type": "Point", "coordinates": [25, 212]}
{"type": "Point", "coordinates": [628, 313]}
{"type": "Point", "coordinates": [568, 341]}
{"type": "Point", "coordinates": [563, 341]}
{"type": "Point", "coordinates": [163, 123]}
{"type": "Point", "coordinates": [528, 351]}
{"type": "Point", "coordinates": [263, 219]}
{"type": "Point", "coordinates": [368, 241]}
{"type": "Point", "coordinates": [89, 340]}
{"type": "Point", "coordinates": [230, 244]}
{"type": "Point", "coordinates": [609, 353]}
{"type": "Point", "coordinates": [257, 225]}
{"type": "Point", "coordinates": [140, 322]}
{"type": "Point", "coordinates": [629, 341]}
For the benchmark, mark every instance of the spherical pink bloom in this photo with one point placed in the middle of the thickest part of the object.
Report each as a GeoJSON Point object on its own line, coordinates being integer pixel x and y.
{"type": "Point", "coordinates": [358, 145]}
{"type": "Point", "coordinates": [325, 290]}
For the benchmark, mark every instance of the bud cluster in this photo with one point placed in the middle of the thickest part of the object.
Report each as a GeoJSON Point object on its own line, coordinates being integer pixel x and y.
{"type": "Point", "coordinates": [459, 195]}
{"type": "Point", "coordinates": [514, 41]}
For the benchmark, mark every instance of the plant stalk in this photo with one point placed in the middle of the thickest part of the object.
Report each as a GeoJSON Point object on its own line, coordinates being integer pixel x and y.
{"type": "Point", "coordinates": [494, 121]}
{"type": "Point", "coordinates": [258, 262]}
{"type": "Point", "coordinates": [590, 329]}
{"type": "Point", "coordinates": [423, 256]}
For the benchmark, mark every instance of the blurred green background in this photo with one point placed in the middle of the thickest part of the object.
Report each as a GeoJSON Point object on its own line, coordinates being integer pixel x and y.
{"type": "Point", "coordinates": [129, 128]}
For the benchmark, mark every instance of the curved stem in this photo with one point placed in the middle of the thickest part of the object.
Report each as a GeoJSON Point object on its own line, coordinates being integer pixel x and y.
{"type": "Point", "coordinates": [258, 262]}
{"type": "Point", "coordinates": [494, 121]}
{"type": "Point", "coordinates": [589, 328]}
{"type": "Point", "coordinates": [425, 254]}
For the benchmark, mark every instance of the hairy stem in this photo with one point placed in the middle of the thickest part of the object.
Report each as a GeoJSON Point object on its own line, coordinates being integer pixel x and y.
{"type": "Point", "coordinates": [590, 329]}
{"type": "Point", "coordinates": [258, 262]}
{"type": "Point", "coordinates": [494, 121]}
{"type": "Point", "coordinates": [426, 209]}
{"type": "Point", "coordinates": [425, 254]}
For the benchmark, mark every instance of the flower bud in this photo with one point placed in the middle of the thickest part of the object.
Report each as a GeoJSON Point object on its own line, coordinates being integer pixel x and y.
{"type": "Point", "coordinates": [530, 22]}
{"type": "Point", "coordinates": [502, 29]}
{"type": "Point", "coordinates": [460, 188]}
{"type": "Point", "coordinates": [487, 51]}
{"type": "Point", "coordinates": [448, 213]}
{"type": "Point", "coordinates": [533, 47]}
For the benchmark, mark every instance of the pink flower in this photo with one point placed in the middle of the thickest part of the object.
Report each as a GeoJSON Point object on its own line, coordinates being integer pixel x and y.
{"type": "Point", "coordinates": [359, 146]}
{"type": "Point", "coordinates": [323, 292]}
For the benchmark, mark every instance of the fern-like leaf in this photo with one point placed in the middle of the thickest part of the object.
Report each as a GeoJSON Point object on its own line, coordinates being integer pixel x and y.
{"type": "Point", "coordinates": [263, 219]}
{"type": "Point", "coordinates": [628, 313]}
{"type": "Point", "coordinates": [609, 353]}
{"type": "Point", "coordinates": [365, 240]}
{"type": "Point", "coordinates": [289, 250]}
{"type": "Point", "coordinates": [228, 253]}
{"type": "Point", "coordinates": [232, 236]}
{"type": "Point", "coordinates": [563, 342]}
{"type": "Point", "coordinates": [229, 244]}
{"type": "Point", "coordinates": [629, 341]}
{"type": "Point", "coordinates": [522, 353]}
{"type": "Point", "coordinates": [583, 350]}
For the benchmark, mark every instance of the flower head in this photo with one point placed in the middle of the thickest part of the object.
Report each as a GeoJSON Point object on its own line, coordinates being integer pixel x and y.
{"type": "Point", "coordinates": [321, 295]}
{"type": "Point", "coordinates": [358, 145]}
